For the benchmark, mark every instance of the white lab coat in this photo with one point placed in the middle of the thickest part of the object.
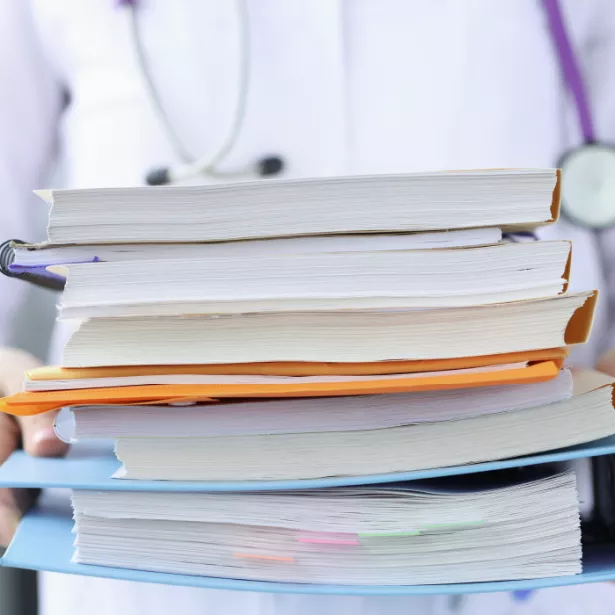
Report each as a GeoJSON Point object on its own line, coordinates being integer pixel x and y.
{"type": "Point", "coordinates": [336, 86]}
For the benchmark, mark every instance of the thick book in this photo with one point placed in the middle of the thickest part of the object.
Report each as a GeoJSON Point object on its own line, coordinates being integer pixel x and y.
{"type": "Point", "coordinates": [44, 541]}
{"type": "Point", "coordinates": [320, 454]}
{"type": "Point", "coordinates": [322, 281]}
{"type": "Point", "coordinates": [93, 466]}
{"type": "Point", "coordinates": [342, 336]}
{"type": "Point", "coordinates": [498, 528]}
{"type": "Point", "coordinates": [309, 415]}
{"type": "Point", "coordinates": [510, 199]}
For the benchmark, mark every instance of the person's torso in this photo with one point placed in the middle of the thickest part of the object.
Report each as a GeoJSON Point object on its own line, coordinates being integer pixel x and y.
{"type": "Point", "coordinates": [336, 86]}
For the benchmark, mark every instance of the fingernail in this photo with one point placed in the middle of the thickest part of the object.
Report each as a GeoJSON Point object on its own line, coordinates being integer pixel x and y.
{"type": "Point", "coordinates": [9, 520]}
{"type": "Point", "coordinates": [45, 434]}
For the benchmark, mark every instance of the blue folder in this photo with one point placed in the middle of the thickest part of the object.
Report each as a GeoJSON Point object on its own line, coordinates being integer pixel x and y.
{"type": "Point", "coordinates": [92, 467]}
{"type": "Point", "coordinates": [44, 539]}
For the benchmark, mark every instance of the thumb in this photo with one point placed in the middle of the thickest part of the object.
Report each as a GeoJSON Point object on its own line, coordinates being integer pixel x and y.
{"type": "Point", "coordinates": [38, 436]}
{"type": "Point", "coordinates": [606, 363]}
{"type": "Point", "coordinates": [37, 433]}
{"type": "Point", "coordinates": [13, 364]}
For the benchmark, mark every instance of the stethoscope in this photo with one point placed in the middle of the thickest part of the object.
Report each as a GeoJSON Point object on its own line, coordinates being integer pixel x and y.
{"type": "Point", "coordinates": [206, 166]}
{"type": "Point", "coordinates": [588, 171]}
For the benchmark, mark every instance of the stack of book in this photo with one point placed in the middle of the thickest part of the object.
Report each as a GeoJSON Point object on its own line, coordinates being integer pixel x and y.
{"type": "Point", "coordinates": [273, 360]}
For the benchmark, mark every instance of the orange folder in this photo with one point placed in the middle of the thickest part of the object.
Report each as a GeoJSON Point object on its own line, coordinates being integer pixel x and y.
{"type": "Point", "coordinates": [31, 403]}
{"type": "Point", "coordinates": [289, 368]}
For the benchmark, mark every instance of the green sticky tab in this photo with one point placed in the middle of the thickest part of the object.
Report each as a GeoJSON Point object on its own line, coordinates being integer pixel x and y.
{"type": "Point", "coordinates": [388, 534]}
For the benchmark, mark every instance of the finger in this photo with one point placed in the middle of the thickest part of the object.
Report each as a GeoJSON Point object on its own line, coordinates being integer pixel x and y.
{"type": "Point", "coordinates": [13, 504]}
{"type": "Point", "coordinates": [13, 365]}
{"type": "Point", "coordinates": [9, 436]}
{"type": "Point", "coordinates": [9, 509]}
{"type": "Point", "coordinates": [10, 514]}
{"type": "Point", "coordinates": [38, 436]}
{"type": "Point", "coordinates": [606, 364]}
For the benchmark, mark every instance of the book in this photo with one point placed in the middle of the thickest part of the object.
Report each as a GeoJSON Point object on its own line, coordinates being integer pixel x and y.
{"type": "Point", "coordinates": [347, 336]}
{"type": "Point", "coordinates": [395, 535]}
{"type": "Point", "coordinates": [31, 256]}
{"type": "Point", "coordinates": [289, 456]}
{"type": "Point", "coordinates": [91, 465]}
{"type": "Point", "coordinates": [509, 199]}
{"type": "Point", "coordinates": [311, 415]}
{"type": "Point", "coordinates": [44, 541]}
{"type": "Point", "coordinates": [322, 281]}
{"type": "Point", "coordinates": [37, 402]}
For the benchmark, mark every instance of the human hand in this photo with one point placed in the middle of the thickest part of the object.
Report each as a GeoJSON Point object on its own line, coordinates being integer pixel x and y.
{"type": "Point", "coordinates": [34, 433]}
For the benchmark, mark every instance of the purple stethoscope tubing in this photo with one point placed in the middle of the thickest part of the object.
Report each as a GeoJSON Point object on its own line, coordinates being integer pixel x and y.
{"type": "Point", "coordinates": [587, 170]}
{"type": "Point", "coordinates": [570, 67]}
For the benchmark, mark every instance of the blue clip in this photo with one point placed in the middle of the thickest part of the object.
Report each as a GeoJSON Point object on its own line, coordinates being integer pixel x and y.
{"type": "Point", "coordinates": [522, 595]}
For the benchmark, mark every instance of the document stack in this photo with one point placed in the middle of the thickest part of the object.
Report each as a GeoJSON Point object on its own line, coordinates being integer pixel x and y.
{"type": "Point", "coordinates": [283, 364]}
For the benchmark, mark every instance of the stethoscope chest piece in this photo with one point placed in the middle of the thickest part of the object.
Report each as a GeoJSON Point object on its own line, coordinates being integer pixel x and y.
{"type": "Point", "coordinates": [588, 186]}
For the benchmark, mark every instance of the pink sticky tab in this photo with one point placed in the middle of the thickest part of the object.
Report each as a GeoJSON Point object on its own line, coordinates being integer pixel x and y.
{"type": "Point", "coordinates": [326, 538]}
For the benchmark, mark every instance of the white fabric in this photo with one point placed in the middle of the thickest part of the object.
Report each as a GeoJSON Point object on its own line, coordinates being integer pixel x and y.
{"type": "Point", "coordinates": [336, 86]}
{"type": "Point", "coordinates": [29, 105]}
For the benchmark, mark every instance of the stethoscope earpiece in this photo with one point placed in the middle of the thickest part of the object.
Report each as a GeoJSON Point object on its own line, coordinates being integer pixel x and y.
{"type": "Point", "coordinates": [272, 165]}
{"type": "Point", "coordinates": [158, 177]}
{"type": "Point", "coordinates": [206, 166]}
{"type": "Point", "coordinates": [265, 167]}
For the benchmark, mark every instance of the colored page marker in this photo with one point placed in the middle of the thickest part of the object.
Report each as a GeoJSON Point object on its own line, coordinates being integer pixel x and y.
{"type": "Point", "coordinates": [319, 540]}
{"type": "Point", "coordinates": [328, 538]}
{"type": "Point", "coordinates": [269, 558]}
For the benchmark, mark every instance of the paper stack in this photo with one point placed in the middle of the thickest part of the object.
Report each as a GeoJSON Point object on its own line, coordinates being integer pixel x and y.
{"type": "Point", "coordinates": [341, 327]}
{"type": "Point", "coordinates": [380, 536]}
